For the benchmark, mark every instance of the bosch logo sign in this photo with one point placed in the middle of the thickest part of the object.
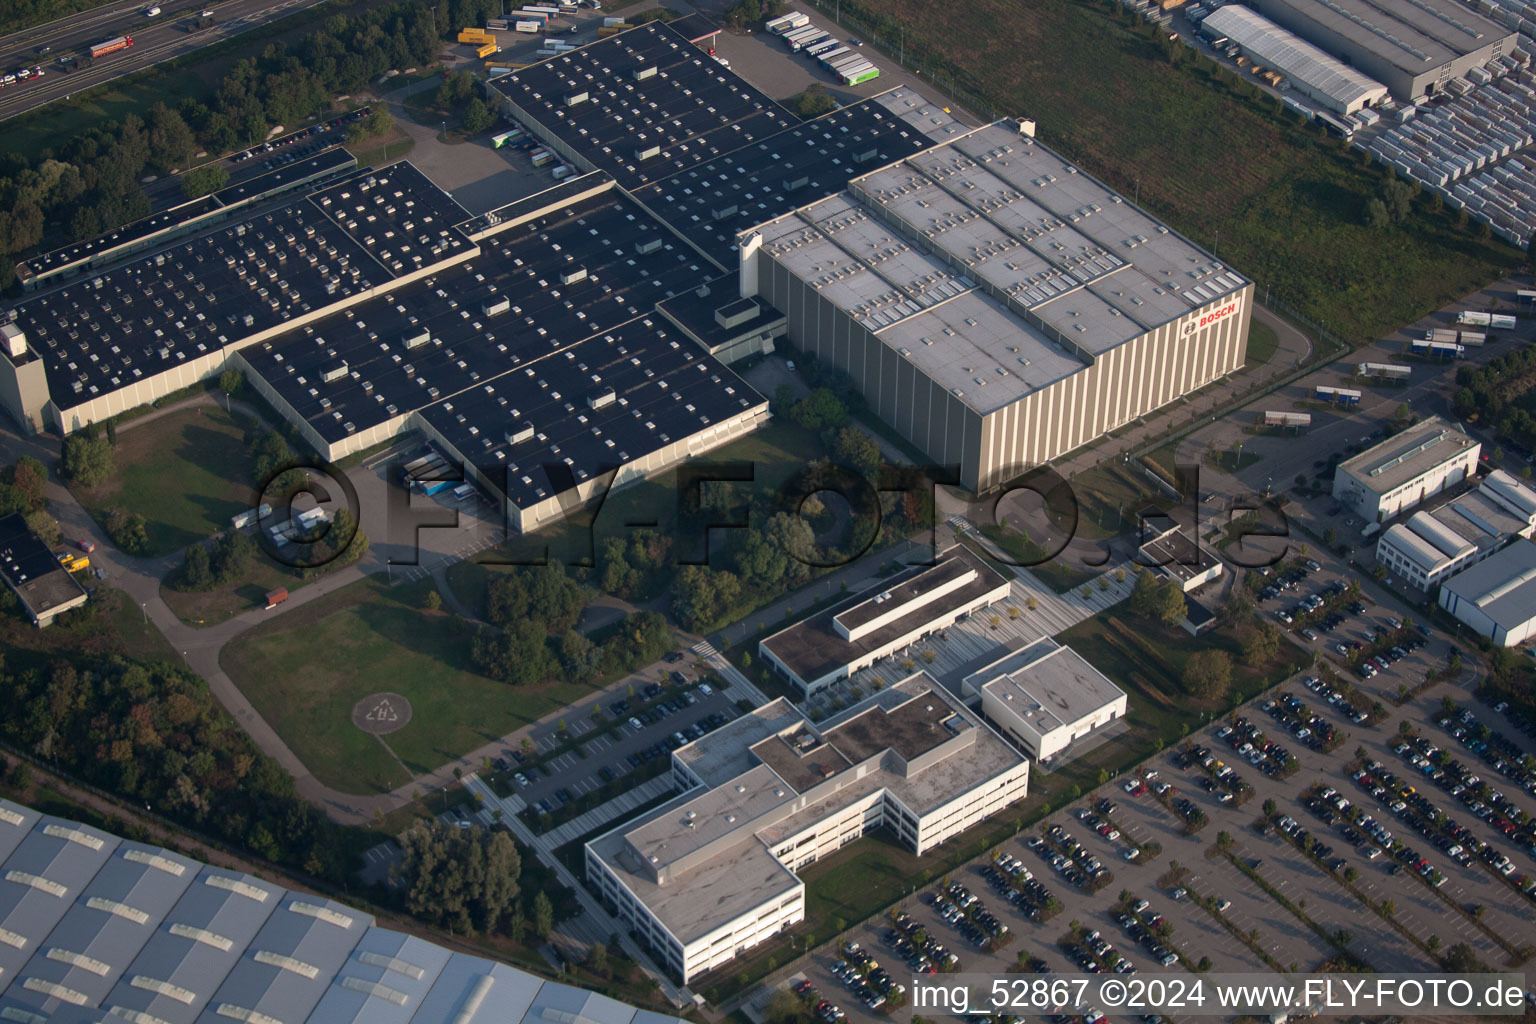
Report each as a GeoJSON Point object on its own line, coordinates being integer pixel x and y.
{"type": "Point", "coordinates": [1191, 326]}
{"type": "Point", "coordinates": [1224, 311]}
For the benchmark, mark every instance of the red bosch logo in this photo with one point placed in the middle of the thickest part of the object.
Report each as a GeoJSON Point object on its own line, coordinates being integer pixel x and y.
{"type": "Point", "coordinates": [1224, 311]}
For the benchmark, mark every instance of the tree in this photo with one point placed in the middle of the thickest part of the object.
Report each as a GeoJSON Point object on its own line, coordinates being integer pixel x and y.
{"type": "Point", "coordinates": [86, 460]}
{"type": "Point", "coordinates": [1172, 606]}
{"type": "Point", "coordinates": [1376, 215]}
{"type": "Point", "coordinates": [518, 655]}
{"type": "Point", "coordinates": [855, 449]}
{"type": "Point", "coordinates": [196, 573]}
{"type": "Point", "coordinates": [231, 381]}
{"type": "Point", "coordinates": [1208, 674]}
{"type": "Point", "coordinates": [432, 600]}
{"type": "Point", "coordinates": [784, 1007]}
{"type": "Point", "coordinates": [1261, 643]}
{"type": "Point", "coordinates": [1144, 594]}
{"type": "Point", "coordinates": [543, 915]}
{"type": "Point", "coordinates": [200, 181]}
{"type": "Point", "coordinates": [814, 102]}
{"type": "Point", "coordinates": [820, 410]}
{"type": "Point", "coordinates": [579, 656]}
{"type": "Point", "coordinates": [463, 878]}
{"type": "Point", "coordinates": [380, 121]}
{"type": "Point", "coordinates": [477, 116]}
{"type": "Point", "coordinates": [597, 959]}
{"type": "Point", "coordinates": [170, 140]}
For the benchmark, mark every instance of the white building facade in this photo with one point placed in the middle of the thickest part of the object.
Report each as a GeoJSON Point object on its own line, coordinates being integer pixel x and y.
{"type": "Point", "coordinates": [711, 874]}
{"type": "Point", "coordinates": [1405, 470]}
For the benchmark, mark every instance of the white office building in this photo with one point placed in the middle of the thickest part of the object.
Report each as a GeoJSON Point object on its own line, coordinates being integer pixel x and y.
{"type": "Point", "coordinates": [1434, 545]}
{"type": "Point", "coordinates": [711, 874]}
{"type": "Point", "coordinates": [1046, 698]}
{"type": "Point", "coordinates": [1405, 469]}
{"type": "Point", "coordinates": [901, 610]}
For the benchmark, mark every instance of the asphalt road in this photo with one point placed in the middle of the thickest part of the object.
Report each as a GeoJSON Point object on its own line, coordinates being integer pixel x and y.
{"type": "Point", "coordinates": [155, 40]}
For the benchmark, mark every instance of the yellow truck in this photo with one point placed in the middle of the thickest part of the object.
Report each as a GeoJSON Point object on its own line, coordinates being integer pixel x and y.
{"type": "Point", "coordinates": [475, 36]}
{"type": "Point", "coordinates": [487, 49]}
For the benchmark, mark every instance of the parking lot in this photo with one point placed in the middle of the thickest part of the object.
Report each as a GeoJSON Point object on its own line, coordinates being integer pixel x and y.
{"type": "Point", "coordinates": [1224, 912]}
{"type": "Point", "coordinates": [630, 731]}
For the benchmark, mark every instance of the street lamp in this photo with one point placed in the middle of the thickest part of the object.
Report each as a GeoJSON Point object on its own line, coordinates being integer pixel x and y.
{"type": "Point", "coordinates": [144, 607]}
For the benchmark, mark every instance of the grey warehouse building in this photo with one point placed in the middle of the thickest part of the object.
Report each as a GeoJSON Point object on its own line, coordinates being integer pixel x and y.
{"type": "Point", "coordinates": [95, 929]}
{"type": "Point", "coordinates": [996, 305]}
{"type": "Point", "coordinates": [1413, 48]}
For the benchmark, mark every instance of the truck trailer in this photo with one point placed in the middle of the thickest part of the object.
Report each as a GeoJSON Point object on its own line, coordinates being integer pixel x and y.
{"type": "Point", "coordinates": [111, 46]}
{"type": "Point", "coordinates": [1473, 318]}
{"type": "Point", "coordinates": [788, 23]}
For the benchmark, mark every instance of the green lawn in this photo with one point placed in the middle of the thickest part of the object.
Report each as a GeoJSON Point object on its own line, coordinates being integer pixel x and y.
{"type": "Point", "coordinates": [186, 473]}
{"type": "Point", "coordinates": [1263, 343]}
{"type": "Point", "coordinates": [1203, 148]}
{"type": "Point", "coordinates": [211, 607]}
{"type": "Point", "coordinates": [305, 670]}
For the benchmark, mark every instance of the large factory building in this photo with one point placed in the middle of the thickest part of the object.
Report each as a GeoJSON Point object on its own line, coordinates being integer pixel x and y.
{"type": "Point", "coordinates": [1413, 48]}
{"type": "Point", "coordinates": [995, 304]}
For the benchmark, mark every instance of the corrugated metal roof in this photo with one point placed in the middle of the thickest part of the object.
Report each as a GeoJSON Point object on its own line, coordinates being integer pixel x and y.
{"type": "Point", "coordinates": [1299, 60]}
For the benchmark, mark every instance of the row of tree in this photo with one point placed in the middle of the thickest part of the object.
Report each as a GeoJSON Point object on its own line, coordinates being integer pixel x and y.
{"type": "Point", "coordinates": [1496, 395]}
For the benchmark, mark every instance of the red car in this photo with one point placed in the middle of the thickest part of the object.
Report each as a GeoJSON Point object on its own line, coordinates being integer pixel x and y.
{"type": "Point", "coordinates": [86, 545]}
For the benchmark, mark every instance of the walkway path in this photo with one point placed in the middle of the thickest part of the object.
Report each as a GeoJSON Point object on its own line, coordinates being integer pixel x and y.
{"type": "Point", "coordinates": [614, 809]}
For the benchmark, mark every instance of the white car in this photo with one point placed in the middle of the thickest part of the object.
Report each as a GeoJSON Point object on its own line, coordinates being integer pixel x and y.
{"type": "Point", "coordinates": [152, 12]}
{"type": "Point", "coordinates": [1222, 905]}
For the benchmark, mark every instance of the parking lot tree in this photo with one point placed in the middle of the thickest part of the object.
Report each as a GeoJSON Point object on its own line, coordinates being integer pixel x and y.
{"type": "Point", "coordinates": [380, 121]}
{"type": "Point", "coordinates": [1270, 807]}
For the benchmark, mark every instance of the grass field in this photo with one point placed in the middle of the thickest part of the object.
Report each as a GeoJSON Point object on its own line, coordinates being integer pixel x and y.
{"type": "Point", "coordinates": [1263, 343]}
{"type": "Point", "coordinates": [180, 473]}
{"type": "Point", "coordinates": [1207, 155]}
{"type": "Point", "coordinates": [109, 623]}
{"type": "Point", "coordinates": [304, 672]}
{"type": "Point", "coordinates": [211, 607]}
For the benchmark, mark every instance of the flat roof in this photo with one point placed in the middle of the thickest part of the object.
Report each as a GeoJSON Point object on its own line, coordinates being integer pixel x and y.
{"type": "Point", "coordinates": [1176, 554]}
{"type": "Point", "coordinates": [121, 928]}
{"type": "Point", "coordinates": [1298, 59]}
{"type": "Point", "coordinates": [103, 931]}
{"type": "Point", "coordinates": [742, 876]}
{"type": "Point", "coordinates": [690, 107]}
{"type": "Point", "coordinates": [1433, 538]}
{"type": "Point", "coordinates": [812, 647]}
{"type": "Point", "coordinates": [1407, 455]}
{"type": "Point", "coordinates": [328, 161]}
{"type": "Point", "coordinates": [726, 752]}
{"type": "Point", "coordinates": [42, 877]}
{"type": "Point", "coordinates": [714, 201]}
{"type": "Point", "coordinates": [1048, 690]}
{"type": "Point", "coordinates": [118, 237]}
{"type": "Point", "coordinates": [1503, 588]}
{"type": "Point", "coordinates": [796, 774]}
{"type": "Point", "coordinates": [1025, 265]}
{"type": "Point", "coordinates": [1414, 37]}
{"type": "Point", "coordinates": [106, 331]}
{"type": "Point", "coordinates": [31, 569]}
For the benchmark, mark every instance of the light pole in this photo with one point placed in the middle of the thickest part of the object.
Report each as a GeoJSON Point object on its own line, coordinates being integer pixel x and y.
{"type": "Point", "coordinates": [144, 608]}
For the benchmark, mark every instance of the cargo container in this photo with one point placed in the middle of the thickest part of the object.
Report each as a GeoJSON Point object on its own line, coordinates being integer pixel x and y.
{"type": "Point", "coordinates": [553, 12]}
{"type": "Point", "coordinates": [111, 46]}
{"type": "Point", "coordinates": [542, 157]}
{"type": "Point", "coordinates": [1473, 338]}
{"type": "Point", "coordinates": [815, 39]}
{"type": "Point", "coordinates": [1474, 318]}
{"type": "Point", "coordinates": [1501, 323]}
{"type": "Point", "coordinates": [542, 19]}
{"type": "Point", "coordinates": [842, 63]}
{"type": "Point", "coordinates": [1437, 349]}
{"type": "Point", "coordinates": [1526, 296]}
{"type": "Point", "coordinates": [560, 172]}
{"type": "Point", "coordinates": [464, 491]}
{"type": "Point", "coordinates": [788, 23]}
{"type": "Point", "coordinates": [276, 597]}
{"type": "Point", "coordinates": [433, 486]}
{"type": "Point", "coordinates": [487, 49]}
{"type": "Point", "coordinates": [496, 24]}
{"type": "Point", "coordinates": [530, 27]}
{"type": "Point", "coordinates": [1440, 334]}
{"type": "Point", "coordinates": [1343, 396]}
{"type": "Point", "coordinates": [1384, 371]}
{"type": "Point", "coordinates": [859, 77]}
{"type": "Point", "coordinates": [800, 35]}
{"type": "Point", "coordinates": [1291, 420]}
{"type": "Point", "coordinates": [610, 22]}
{"type": "Point", "coordinates": [497, 141]}
{"type": "Point", "coordinates": [830, 57]}
{"type": "Point", "coordinates": [825, 46]}
{"type": "Point", "coordinates": [610, 30]}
